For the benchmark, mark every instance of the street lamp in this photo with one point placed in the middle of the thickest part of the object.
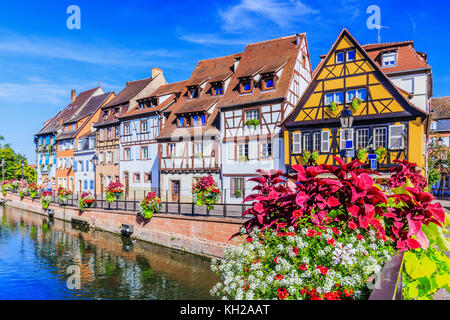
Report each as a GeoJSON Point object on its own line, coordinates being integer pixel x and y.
{"type": "Point", "coordinates": [346, 119]}
{"type": "Point", "coordinates": [3, 164]}
{"type": "Point", "coordinates": [95, 162]}
{"type": "Point", "coordinates": [22, 164]}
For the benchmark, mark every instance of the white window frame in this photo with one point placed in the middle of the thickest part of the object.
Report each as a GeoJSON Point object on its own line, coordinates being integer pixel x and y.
{"type": "Point", "coordinates": [252, 114]}
{"type": "Point", "coordinates": [399, 137]}
{"type": "Point", "coordinates": [296, 143]}
{"type": "Point", "coordinates": [346, 55]}
{"type": "Point", "coordinates": [388, 57]}
{"type": "Point", "coordinates": [376, 136]}
{"type": "Point", "coordinates": [265, 154]}
{"type": "Point", "coordinates": [328, 99]}
{"type": "Point", "coordinates": [306, 146]}
{"type": "Point", "coordinates": [316, 141]}
{"type": "Point", "coordinates": [325, 141]}
{"type": "Point", "coordinates": [410, 90]}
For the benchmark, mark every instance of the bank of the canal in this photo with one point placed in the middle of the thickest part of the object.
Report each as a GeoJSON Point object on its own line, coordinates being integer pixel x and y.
{"type": "Point", "coordinates": [206, 236]}
{"type": "Point", "coordinates": [36, 253]}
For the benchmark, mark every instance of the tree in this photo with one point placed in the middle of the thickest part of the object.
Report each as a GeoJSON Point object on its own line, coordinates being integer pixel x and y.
{"type": "Point", "coordinates": [13, 168]}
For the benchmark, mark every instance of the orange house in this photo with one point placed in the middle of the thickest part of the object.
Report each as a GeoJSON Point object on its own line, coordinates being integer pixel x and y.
{"type": "Point", "coordinates": [76, 120]}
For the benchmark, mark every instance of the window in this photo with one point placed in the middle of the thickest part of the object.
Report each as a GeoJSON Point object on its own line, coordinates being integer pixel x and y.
{"type": "Point", "coordinates": [171, 149]}
{"type": "Point", "coordinates": [144, 126]}
{"type": "Point", "coordinates": [243, 151]}
{"type": "Point", "coordinates": [379, 137]}
{"type": "Point", "coordinates": [433, 125]}
{"type": "Point", "coordinates": [237, 187]}
{"type": "Point", "coordinates": [307, 141]}
{"type": "Point", "coordinates": [148, 177]}
{"type": "Point", "coordinates": [196, 120]}
{"type": "Point", "coordinates": [408, 85]}
{"type": "Point", "coordinates": [337, 97]}
{"type": "Point", "coordinates": [144, 153]}
{"type": "Point", "coordinates": [203, 118]}
{"type": "Point", "coordinates": [356, 93]}
{"type": "Point", "coordinates": [252, 114]}
{"type": "Point", "coordinates": [217, 89]}
{"type": "Point", "coordinates": [266, 150]}
{"type": "Point", "coordinates": [110, 134]}
{"type": "Point", "coordinates": [137, 177]}
{"type": "Point", "coordinates": [101, 157]}
{"type": "Point", "coordinates": [316, 141]}
{"type": "Point", "coordinates": [127, 154]}
{"type": "Point", "coordinates": [389, 59]}
{"type": "Point", "coordinates": [181, 121]}
{"type": "Point", "coordinates": [268, 83]}
{"type": "Point", "coordinates": [339, 57]}
{"type": "Point", "coordinates": [362, 138]}
{"type": "Point", "coordinates": [296, 143]}
{"type": "Point", "coordinates": [109, 156]}
{"type": "Point", "coordinates": [344, 136]}
{"type": "Point", "coordinates": [396, 137]}
{"type": "Point", "coordinates": [246, 86]}
{"type": "Point", "coordinates": [198, 148]}
{"type": "Point", "coordinates": [193, 93]}
{"type": "Point", "coordinates": [350, 55]}
{"type": "Point", "coordinates": [126, 129]}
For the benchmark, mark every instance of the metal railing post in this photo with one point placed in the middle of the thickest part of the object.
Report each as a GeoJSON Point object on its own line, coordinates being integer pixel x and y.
{"type": "Point", "coordinates": [134, 201]}
{"type": "Point", "coordinates": [224, 203]}
{"type": "Point", "coordinates": [167, 202]}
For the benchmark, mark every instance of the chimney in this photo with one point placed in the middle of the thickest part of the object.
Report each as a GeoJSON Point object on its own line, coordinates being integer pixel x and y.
{"type": "Point", "coordinates": [297, 42]}
{"type": "Point", "coordinates": [74, 95]}
{"type": "Point", "coordinates": [155, 72]}
{"type": "Point", "coordinates": [236, 63]}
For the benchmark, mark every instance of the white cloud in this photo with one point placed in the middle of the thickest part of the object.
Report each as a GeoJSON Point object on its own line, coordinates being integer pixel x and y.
{"type": "Point", "coordinates": [215, 39]}
{"type": "Point", "coordinates": [250, 13]}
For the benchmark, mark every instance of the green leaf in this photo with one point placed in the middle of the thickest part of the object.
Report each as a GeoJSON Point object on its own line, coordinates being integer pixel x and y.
{"type": "Point", "coordinates": [411, 291]}
{"type": "Point", "coordinates": [436, 236]}
{"type": "Point", "coordinates": [443, 280]}
{"type": "Point", "coordinates": [418, 268]}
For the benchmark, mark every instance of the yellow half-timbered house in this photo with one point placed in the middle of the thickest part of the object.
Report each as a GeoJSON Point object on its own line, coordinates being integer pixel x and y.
{"type": "Point", "coordinates": [384, 118]}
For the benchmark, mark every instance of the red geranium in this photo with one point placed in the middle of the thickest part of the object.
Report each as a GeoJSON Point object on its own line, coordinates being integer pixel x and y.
{"type": "Point", "coordinates": [282, 293]}
{"type": "Point", "coordinates": [295, 250]}
{"type": "Point", "coordinates": [359, 237]}
{"type": "Point", "coordinates": [323, 270]}
{"type": "Point", "coordinates": [331, 241]}
{"type": "Point", "coordinates": [278, 277]}
{"type": "Point", "coordinates": [303, 266]}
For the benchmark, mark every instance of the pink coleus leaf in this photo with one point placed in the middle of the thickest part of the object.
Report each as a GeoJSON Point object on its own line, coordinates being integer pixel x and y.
{"type": "Point", "coordinates": [354, 210]}
{"type": "Point", "coordinates": [423, 240]}
{"type": "Point", "coordinates": [412, 244]}
{"type": "Point", "coordinates": [333, 202]}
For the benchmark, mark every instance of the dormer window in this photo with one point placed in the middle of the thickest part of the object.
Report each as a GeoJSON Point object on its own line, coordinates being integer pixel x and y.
{"type": "Point", "coordinates": [199, 120]}
{"type": "Point", "coordinates": [193, 93]}
{"type": "Point", "coordinates": [246, 86]}
{"type": "Point", "coordinates": [181, 122]}
{"type": "Point", "coordinates": [268, 83]}
{"type": "Point", "coordinates": [389, 59]}
{"type": "Point", "coordinates": [217, 89]}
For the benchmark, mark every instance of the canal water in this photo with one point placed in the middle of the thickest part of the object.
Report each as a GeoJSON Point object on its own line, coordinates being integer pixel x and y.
{"type": "Point", "coordinates": [40, 259]}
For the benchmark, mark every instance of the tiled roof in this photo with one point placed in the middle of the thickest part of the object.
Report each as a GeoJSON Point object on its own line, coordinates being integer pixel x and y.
{"type": "Point", "coordinates": [67, 112]}
{"type": "Point", "coordinates": [205, 70]}
{"type": "Point", "coordinates": [66, 135]}
{"type": "Point", "coordinates": [129, 92]}
{"type": "Point", "coordinates": [440, 107]}
{"type": "Point", "coordinates": [264, 57]}
{"type": "Point", "coordinates": [172, 89]}
{"type": "Point", "coordinates": [407, 58]}
{"type": "Point", "coordinates": [90, 108]}
{"type": "Point", "coordinates": [111, 118]}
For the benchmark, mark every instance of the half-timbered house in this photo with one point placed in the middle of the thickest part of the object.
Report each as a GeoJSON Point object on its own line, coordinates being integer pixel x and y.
{"type": "Point", "coordinates": [269, 80]}
{"type": "Point", "coordinates": [139, 161]}
{"type": "Point", "coordinates": [189, 141]}
{"type": "Point", "coordinates": [108, 128]}
{"type": "Point", "coordinates": [384, 117]}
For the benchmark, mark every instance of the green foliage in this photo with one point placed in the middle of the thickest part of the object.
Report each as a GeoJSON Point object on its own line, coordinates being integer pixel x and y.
{"type": "Point", "coordinates": [361, 153]}
{"type": "Point", "coordinates": [252, 123]}
{"type": "Point", "coordinates": [333, 106]}
{"type": "Point", "coordinates": [306, 156]}
{"type": "Point", "coordinates": [13, 169]}
{"type": "Point", "coordinates": [381, 153]}
{"type": "Point", "coordinates": [315, 156]}
{"type": "Point", "coordinates": [433, 176]}
{"type": "Point", "coordinates": [355, 103]}
{"type": "Point", "coordinates": [238, 193]}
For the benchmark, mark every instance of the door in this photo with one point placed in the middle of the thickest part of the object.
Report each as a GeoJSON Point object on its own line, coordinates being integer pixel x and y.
{"type": "Point", "coordinates": [175, 190]}
{"type": "Point", "coordinates": [126, 180]}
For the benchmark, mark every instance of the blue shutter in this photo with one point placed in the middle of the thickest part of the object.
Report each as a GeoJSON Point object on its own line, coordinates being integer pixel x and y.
{"type": "Point", "coordinates": [40, 140]}
{"type": "Point", "coordinates": [47, 140]}
{"type": "Point", "coordinates": [75, 166]}
{"type": "Point", "coordinates": [82, 166]}
{"type": "Point", "coordinates": [87, 165]}
{"type": "Point", "coordinates": [85, 184]}
{"type": "Point", "coordinates": [92, 184]}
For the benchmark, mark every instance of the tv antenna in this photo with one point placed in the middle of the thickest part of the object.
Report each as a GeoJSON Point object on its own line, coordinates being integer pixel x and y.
{"type": "Point", "coordinates": [379, 27]}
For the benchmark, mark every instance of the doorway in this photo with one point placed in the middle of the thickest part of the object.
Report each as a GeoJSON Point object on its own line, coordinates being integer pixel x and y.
{"type": "Point", "coordinates": [175, 190]}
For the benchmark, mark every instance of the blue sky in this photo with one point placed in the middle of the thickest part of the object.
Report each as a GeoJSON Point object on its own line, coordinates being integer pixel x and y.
{"type": "Point", "coordinates": [41, 60]}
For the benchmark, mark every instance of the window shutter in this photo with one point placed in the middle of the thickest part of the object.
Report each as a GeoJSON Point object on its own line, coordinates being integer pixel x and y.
{"type": "Point", "coordinates": [325, 141]}
{"type": "Point", "coordinates": [253, 150]}
{"type": "Point", "coordinates": [342, 140]}
{"type": "Point", "coordinates": [231, 151]}
{"type": "Point", "coordinates": [75, 166]}
{"type": "Point", "coordinates": [116, 156]}
{"type": "Point", "coordinates": [296, 142]}
{"type": "Point", "coordinates": [275, 148]}
{"type": "Point", "coordinates": [396, 137]}
{"type": "Point", "coordinates": [190, 146]}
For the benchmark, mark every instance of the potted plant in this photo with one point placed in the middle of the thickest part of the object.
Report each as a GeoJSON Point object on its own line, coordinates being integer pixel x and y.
{"type": "Point", "coordinates": [206, 192]}
{"type": "Point", "coordinates": [150, 205]}
{"type": "Point", "coordinates": [356, 103]}
{"type": "Point", "coordinates": [87, 200]}
{"type": "Point", "coordinates": [14, 184]}
{"type": "Point", "coordinates": [46, 199]}
{"type": "Point", "coordinates": [381, 152]}
{"type": "Point", "coordinates": [362, 154]}
{"type": "Point", "coordinates": [43, 148]}
{"type": "Point", "coordinates": [41, 166]}
{"type": "Point", "coordinates": [63, 194]}
{"type": "Point", "coordinates": [306, 155]}
{"type": "Point", "coordinates": [315, 156]}
{"type": "Point", "coordinates": [252, 123]}
{"type": "Point", "coordinates": [49, 148]}
{"type": "Point", "coordinates": [243, 159]}
{"type": "Point", "coordinates": [114, 191]}
{"type": "Point", "coordinates": [33, 187]}
{"type": "Point", "coordinates": [49, 166]}
{"type": "Point", "coordinates": [5, 187]}
{"type": "Point", "coordinates": [23, 191]}
{"type": "Point", "coordinates": [238, 193]}
{"type": "Point", "coordinates": [333, 106]}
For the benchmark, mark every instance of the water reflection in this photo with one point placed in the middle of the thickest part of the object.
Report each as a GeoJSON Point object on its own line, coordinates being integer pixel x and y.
{"type": "Point", "coordinates": [35, 253]}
